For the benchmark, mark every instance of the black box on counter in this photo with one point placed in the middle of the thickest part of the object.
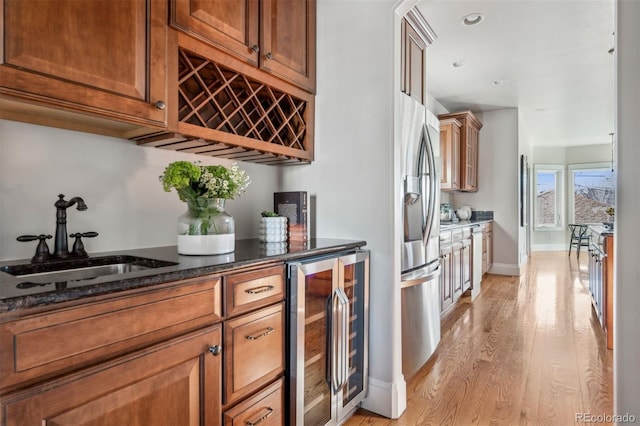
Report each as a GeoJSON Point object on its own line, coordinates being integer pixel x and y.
{"type": "Point", "coordinates": [293, 205]}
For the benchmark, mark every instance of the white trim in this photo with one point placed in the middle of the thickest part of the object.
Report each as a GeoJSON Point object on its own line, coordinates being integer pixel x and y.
{"type": "Point", "coordinates": [550, 247]}
{"type": "Point", "coordinates": [560, 171]}
{"type": "Point", "coordinates": [505, 269]}
{"type": "Point", "coordinates": [387, 399]}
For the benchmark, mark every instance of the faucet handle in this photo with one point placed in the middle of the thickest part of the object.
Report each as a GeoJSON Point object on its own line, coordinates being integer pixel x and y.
{"type": "Point", "coordinates": [42, 251]}
{"type": "Point", "coordinates": [78, 246]}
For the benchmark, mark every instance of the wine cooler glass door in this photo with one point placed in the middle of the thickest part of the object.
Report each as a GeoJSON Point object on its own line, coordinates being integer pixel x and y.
{"type": "Point", "coordinates": [354, 279]}
{"type": "Point", "coordinates": [312, 288]}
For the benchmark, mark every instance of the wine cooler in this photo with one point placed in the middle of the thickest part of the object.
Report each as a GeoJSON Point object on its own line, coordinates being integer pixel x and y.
{"type": "Point", "coordinates": [328, 338]}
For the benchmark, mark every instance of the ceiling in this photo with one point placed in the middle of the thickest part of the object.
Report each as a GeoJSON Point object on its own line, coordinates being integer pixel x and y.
{"type": "Point", "coordinates": [552, 57]}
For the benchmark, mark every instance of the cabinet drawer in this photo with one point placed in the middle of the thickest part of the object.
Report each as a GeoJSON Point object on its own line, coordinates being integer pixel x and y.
{"type": "Point", "coordinates": [445, 237]}
{"type": "Point", "coordinates": [254, 353]}
{"type": "Point", "coordinates": [250, 290]}
{"type": "Point", "coordinates": [51, 343]}
{"type": "Point", "coordinates": [266, 408]}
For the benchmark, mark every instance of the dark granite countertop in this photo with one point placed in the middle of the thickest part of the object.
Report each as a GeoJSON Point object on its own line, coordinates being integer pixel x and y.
{"type": "Point", "coordinates": [16, 293]}
{"type": "Point", "coordinates": [447, 226]}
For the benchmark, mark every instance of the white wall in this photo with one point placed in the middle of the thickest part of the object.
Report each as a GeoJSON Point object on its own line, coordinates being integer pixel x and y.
{"type": "Point", "coordinates": [353, 176]}
{"type": "Point", "coordinates": [626, 301]}
{"type": "Point", "coordinates": [498, 185]}
{"type": "Point", "coordinates": [117, 179]}
{"type": "Point", "coordinates": [559, 239]}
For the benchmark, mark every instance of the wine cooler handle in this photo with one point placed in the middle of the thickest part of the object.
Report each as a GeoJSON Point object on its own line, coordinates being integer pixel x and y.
{"type": "Point", "coordinates": [342, 309]}
{"type": "Point", "coordinates": [346, 315]}
{"type": "Point", "coordinates": [335, 342]}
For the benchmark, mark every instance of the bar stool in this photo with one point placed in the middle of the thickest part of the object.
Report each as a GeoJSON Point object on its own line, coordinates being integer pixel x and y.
{"type": "Point", "coordinates": [579, 237]}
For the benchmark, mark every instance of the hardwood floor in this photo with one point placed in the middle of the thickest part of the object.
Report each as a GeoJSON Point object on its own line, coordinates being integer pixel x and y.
{"type": "Point", "coordinates": [528, 350]}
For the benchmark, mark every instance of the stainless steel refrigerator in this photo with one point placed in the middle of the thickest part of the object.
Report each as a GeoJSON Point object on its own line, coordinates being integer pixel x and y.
{"type": "Point", "coordinates": [328, 306]}
{"type": "Point", "coordinates": [420, 294]}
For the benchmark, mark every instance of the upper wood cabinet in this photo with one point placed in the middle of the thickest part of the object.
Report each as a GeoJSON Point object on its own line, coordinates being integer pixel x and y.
{"type": "Point", "coordinates": [101, 58]}
{"type": "Point", "coordinates": [416, 36]}
{"type": "Point", "coordinates": [278, 36]}
{"type": "Point", "coordinates": [469, 140]}
{"type": "Point", "coordinates": [450, 154]}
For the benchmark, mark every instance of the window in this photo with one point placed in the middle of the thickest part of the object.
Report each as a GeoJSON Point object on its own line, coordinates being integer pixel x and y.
{"type": "Point", "coordinates": [549, 184]}
{"type": "Point", "coordinates": [593, 191]}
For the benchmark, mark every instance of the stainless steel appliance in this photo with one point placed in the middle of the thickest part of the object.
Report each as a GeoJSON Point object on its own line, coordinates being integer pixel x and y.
{"type": "Point", "coordinates": [328, 338]}
{"type": "Point", "coordinates": [420, 298]}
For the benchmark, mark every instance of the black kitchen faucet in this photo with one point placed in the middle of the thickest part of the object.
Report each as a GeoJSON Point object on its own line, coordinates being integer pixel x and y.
{"type": "Point", "coordinates": [61, 245]}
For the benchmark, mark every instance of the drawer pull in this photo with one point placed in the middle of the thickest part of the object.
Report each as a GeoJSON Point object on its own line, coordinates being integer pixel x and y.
{"type": "Point", "coordinates": [261, 289]}
{"type": "Point", "coordinates": [266, 333]}
{"type": "Point", "coordinates": [261, 419]}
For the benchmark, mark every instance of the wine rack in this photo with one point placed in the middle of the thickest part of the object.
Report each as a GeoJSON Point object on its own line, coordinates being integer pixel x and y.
{"type": "Point", "coordinates": [225, 113]}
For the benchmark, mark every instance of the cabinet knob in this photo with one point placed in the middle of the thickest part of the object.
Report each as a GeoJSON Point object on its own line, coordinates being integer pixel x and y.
{"type": "Point", "coordinates": [215, 350]}
{"type": "Point", "coordinates": [160, 105]}
{"type": "Point", "coordinates": [255, 48]}
{"type": "Point", "coordinates": [268, 56]}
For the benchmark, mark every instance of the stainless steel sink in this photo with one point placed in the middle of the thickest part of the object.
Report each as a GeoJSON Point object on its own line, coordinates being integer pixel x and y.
{"type": "Point", "coordinates": [80, 269]}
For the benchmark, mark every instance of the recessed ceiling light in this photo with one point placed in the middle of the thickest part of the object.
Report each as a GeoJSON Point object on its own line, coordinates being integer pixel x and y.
{"type": "Point", "coordinates": [499, 82]}
{"type": "Point", "coordinates": [472, 19]}
{"type": "Point", "coordinates": [459, 63]}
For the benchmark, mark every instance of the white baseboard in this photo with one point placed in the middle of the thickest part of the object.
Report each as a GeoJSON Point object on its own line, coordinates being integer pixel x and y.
{"type": "Point", "coordinates": [549, 247]}
{"type": "Point", "coordinates": [386, 399]}
{"type": "Point", "coordinates": [505, 269]}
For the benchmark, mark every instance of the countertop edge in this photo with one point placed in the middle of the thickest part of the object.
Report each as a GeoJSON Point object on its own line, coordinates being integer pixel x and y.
{"type": "Point", "coordinates": [188, 267]}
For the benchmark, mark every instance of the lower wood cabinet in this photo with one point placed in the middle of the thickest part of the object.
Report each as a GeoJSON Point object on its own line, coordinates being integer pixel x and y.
{"type": "Point", "coordinates": [265, 408]}
{"type": "Point", "coordinates": [466, 269]}
{"type": "Point", "coordinates": [173, 383]}
{"type": "Point", "coordinates": [152, 357]}
{"type": "Point", "coordinates": [446, 289]}
{"type": "Point", "coordinates": [487, 247]}
{"type": "Point", "coordinates": [456, 266]}
{"type": "Point", "coordinates": [41, 346]}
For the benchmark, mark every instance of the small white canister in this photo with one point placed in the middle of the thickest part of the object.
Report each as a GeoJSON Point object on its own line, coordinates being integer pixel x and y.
{"type": "Point", "coordinates": [464, 213]}
{"type": "Point", "coordinates": [273, 229]}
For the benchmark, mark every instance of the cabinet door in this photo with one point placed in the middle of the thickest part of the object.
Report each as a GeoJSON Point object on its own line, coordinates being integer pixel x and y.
{"type": "Point", "coordinates": [450, 154]}
{"type": "Point", "coordinates": [446, 290]}
{"type": "Point", "coordinates": [456, 271]}
{"type": "Point", "coordinates": [288, 40]}
{"type": "Point", "coordinates": [176, 383]}
{"type": "Point", "coordinates": [470, 160]}
{"type": "Point", "coordinates": [466, 267]}
{"type": "Point", "coordinates": [98, 57]}
{"type": "Point", "coordinates": [489, 250]}
{"type": "Point", "coordinates": [413, 62]}
{"type": "Point", "coordinates": [229, 25]}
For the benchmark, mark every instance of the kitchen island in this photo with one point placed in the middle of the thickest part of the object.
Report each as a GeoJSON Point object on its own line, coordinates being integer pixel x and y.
{"type": "Point", "coordinates": [601, 276]}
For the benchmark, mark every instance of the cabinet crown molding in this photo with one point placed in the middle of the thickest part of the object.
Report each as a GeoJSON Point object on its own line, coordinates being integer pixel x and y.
{"type": "Point", "coordinates": [420, 24]}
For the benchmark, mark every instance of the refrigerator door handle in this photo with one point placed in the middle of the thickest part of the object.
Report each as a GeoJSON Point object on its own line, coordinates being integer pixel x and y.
{"type": "Point", "coordinates": [433, 185]}
{"type": "Point", "coordinates": [342, 307]}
